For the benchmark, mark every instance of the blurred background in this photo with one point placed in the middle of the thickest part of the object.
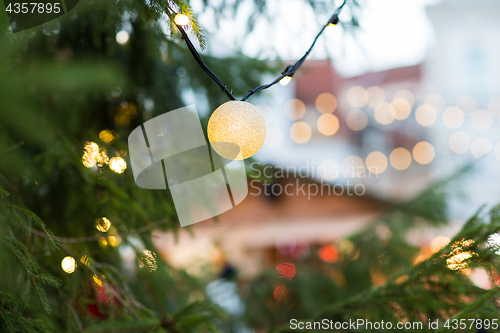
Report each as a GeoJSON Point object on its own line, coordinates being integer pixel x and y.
{"type": "Point", "coordinates": [377, 152]}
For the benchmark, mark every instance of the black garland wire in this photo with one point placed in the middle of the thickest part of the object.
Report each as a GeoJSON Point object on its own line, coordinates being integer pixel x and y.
{"type": "Point", "coordinates": [288, 72]}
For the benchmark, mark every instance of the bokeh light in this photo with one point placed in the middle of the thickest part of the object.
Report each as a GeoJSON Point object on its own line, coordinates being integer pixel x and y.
{"type": "Point", "coordinates": [481, 147]}
{"type": "Point", "coordinates": [329, 169]}
{"type": "Point", "coordinates": [107, 136]}
{"type": "Point", "coordinates": [274, 137]}
{"type": "Point", "coordinates": [300, 132]}
{"type": "Point", "coordinates": [436, 100]}
{"type": "Point", "coordinates": [401, 108]}
{"type": "Point", "coordinates": [400, 159]}
{"type": "Point", "coordinates": [460, 142]}
{"type": "Point", "coordinates": [453, 117]}
{"type": "Point", "coordinates": [181, 19]}
{"type": "Point", "coordinates": [439, 243]}
{"type": "Point", "coordinates": [103, 224]}
{"type": "Point", "coordinates": [374, 96]}
{"type": "Point", "coordinates": [94, 155]}
{"type": "Point", "coordinates": [353, 167]}
{"type": "Point", "coordinates": [328, 253]}
{"type": "Point", "coordinates": [118, 164]}
{"type": "Point", "coordinates": [295, 109]}
{"type": "Point", "coordinates": [376, 162]}
{"type": "Point", "coordinates": [68, 265]}
{"type": "Point", "coordinates": [423, 152]}
{"type": "Point", "coordinates": [356, 96]}
{"type": "Point", "coordinates": [406, 95]}
{"type": "Point", "coordinates": [384, 113]}
{"type": "Point", "coordinates": [85, 259]}
{"type": "Point", "coordinates": [328, 124]}
{"type": "Point", "coordinates": [114, 240]}
{"type": "Point", "coordinates": [426, 115]}
{"type": "Point", "coordinates": [326, 103]}
{"type": "Point", "coordinates": [481, 120]}
{"type": "Point", "coordinates": [122, 37]}
{"type": "Point", "coordinates": [356, 120]}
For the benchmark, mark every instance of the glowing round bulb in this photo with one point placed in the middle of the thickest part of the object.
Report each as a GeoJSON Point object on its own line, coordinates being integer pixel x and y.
{"type": "Point", "coordinates": [236, 130]}
{"type": "Point", "coordinates": [181, 19]}
{"type": "Point", "coordinates": [286, 80]}
{"type": "Point", "coordinates": [68, 264]}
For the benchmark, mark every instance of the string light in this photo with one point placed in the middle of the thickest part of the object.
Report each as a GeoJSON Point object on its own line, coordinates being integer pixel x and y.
{"type": "Point", "coordinates": [236, 130]}
{"type": "Point", "coordinates": [68, 264]}
{"type": "Point", "coordinates": [181, 19]}
{"type": "Point", "coordinates": [237, 123]}
{"type": "Point", "coordinates": [286, 80]}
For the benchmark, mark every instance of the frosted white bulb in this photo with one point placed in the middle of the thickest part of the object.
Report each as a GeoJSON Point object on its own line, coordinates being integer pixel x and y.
{"type": "Point", "coordinates": [236, 123]}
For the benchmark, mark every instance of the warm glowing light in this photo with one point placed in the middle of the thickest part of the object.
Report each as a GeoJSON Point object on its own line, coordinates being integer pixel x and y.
{"type": "Point", "coordinates": [274, 137]}
{"type": "Point", "coordinates": [423, 152]}
{"type": "Point", "coordinates": [329, 169]}
{"type": "Point", "coordinates": [384, 113]}
{"type": "Point", "coordinates": [93, 155]}
{"type": "Point", "coordinates": [286, 270]}
{"type": "Point", "coordinates": [356, 97]}
{"type": "Point", "coordinates": [426, 115]}
{"type": "Point", "coordinates": [236, 123]}
{"type": "Point", "coordinates": [459, 142]}
{"type": "Point", "coordinates": [114, 240]}
{"type": "Point", "coordinates": [458, 261]}
{"type": "Point", "coordinates": [356, 120]}
{"type": "Point", "coordinates": [68, 264]}
{"type": "Point", "coordinates": [122, 37]}
{"type": "Point", "coordinates": [481, 120]}
{"type": "Point", "coordinates": [117, 164]}
{"type": "Point", "coordinates": [286, 80]}
{"type": "Point", "coordinates": [453, 117]}
{"type": "Point", "coordinates": [374, 96]}
{"type": "Point", "coordinates": [435, 100]}
{"type": "Point", "coordinates": [326, 103]}
{"type": "Point", "coordinates": [400, 159]}
{"type": "Point", "coordinates": [406, 95]}
{"type": "Point", "coordinates": [328, 253]}
{"type": "Point", "coordinates": [107, 136]}
{"type": "Point", "coordinates": [353, 167]}
{"type": "Point", "coordinates": [328, 124]}
{"type": "Point", "coordinates": [149, 260]}
{"type": "Point", "coordinates": [467, 104]}
{"type": "Point", "coordinates": [295, 109]}
{"type": "Point", "coordinates": [300, 132]}
{"type": "Point", "coordinates": [401, 108]}
{"type": "Point", "coordinates": [376, 162]}
{"type": "Point", "coordinates": [181, 19]}
{"type": "Point", "coordinates": [458, 257]}
{"type": "Point", "coordinates": [85, 259]}
{"type": "Point", "coordinates": [439, 243]}
{"type": "Point", "coordinates": [481, 147]}
{"type": "Point", "coordinates": [97, 280]}
{"type": "Point", "coordinates": [103, 224]}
